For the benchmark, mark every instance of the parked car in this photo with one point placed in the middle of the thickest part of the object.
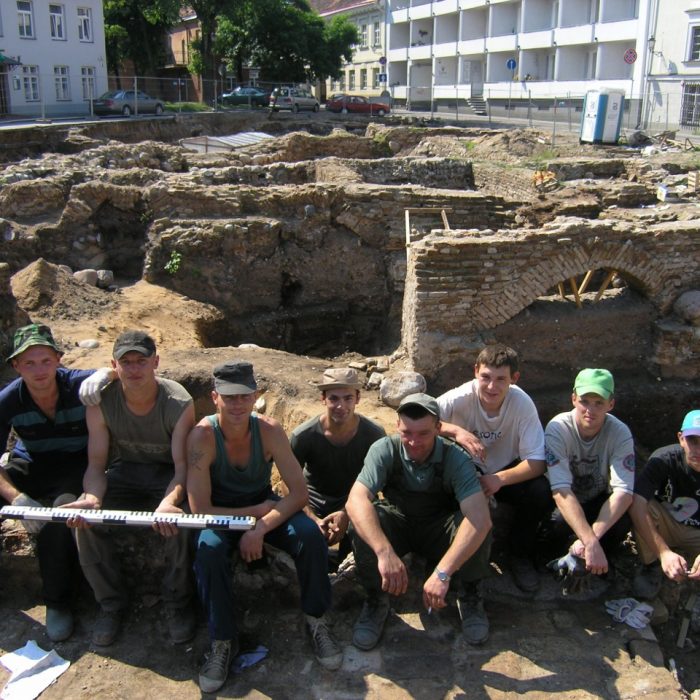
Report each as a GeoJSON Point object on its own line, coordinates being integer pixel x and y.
{"type": "Point", "coordinates": [255, 97]}
{"type": "Point", "coordinates": [125, 102]}
{"type": "Point", "coordinates": [293, 98]}
{"type": "Point", "coordinates": [357, 104]}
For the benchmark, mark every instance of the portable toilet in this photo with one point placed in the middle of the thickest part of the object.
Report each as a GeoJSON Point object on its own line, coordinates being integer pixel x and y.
{"type": "Point", "coordinates": [602, 116]}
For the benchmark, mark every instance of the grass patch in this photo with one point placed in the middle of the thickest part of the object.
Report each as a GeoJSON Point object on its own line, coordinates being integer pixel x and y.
{"type": "Point", "coordinates": [186, 107]}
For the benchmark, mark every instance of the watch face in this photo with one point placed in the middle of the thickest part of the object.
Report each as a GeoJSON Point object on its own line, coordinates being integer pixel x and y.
{"type": "Point", "coordinates": [442, 576]}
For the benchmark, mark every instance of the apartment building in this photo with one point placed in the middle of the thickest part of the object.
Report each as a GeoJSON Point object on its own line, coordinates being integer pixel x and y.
{"type": "Point", "coordinates": [366, 74]}
{"type": "Point", "coordinates": [516, 54]}
{"type": "Point", "coordinates": [57, 51]}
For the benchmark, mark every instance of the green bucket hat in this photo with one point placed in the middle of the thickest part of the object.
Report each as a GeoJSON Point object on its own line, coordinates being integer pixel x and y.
{"type": "Point", "coordinates": [33, 334]}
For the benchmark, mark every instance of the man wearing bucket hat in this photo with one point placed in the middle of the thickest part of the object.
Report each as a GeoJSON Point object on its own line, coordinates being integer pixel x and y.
{"type": "Point", "coordinates": [331, 449]}
{"type": "Point", "coordinates": [590, 465]}
{"type": "Point", "coordinates": [432, 504]}
{"type": "Point", "coordinates": [137, 461]}
{"type": "Point", "coordinates": [229, 462]}
{"type": "Point", "coordinates": [666, 512]}
{"type": "Point", "coordinates": [47, 463]}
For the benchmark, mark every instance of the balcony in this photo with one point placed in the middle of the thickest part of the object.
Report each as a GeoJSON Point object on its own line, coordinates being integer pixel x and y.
{"type": "Point", "coordinates": [617, 31]}
{"type": "Point", "coordinates": [471, 4]}
{"type": "Point", "coordinates": [445, 7]}
{"type": "Point", "coordinates": [535, 40]}
{"type": "Point", "coordinates": [473, 46]}
{"type": "Point", "coordinates": [508, 42]}
{"type": "Point", "coordinates": [420, 12]}
{"type": "Point", "coordinates": [448, 48]}
{"type": "Point", "coordinates": [417, 53]}
{"type": "Point", "coordinates": [570, 36]}
{"type": "Point", "coordinates": [398, 54]}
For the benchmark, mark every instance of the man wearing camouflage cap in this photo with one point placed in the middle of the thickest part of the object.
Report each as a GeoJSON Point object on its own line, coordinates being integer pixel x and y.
{"type": "Point", "coordinates": [46, 465]}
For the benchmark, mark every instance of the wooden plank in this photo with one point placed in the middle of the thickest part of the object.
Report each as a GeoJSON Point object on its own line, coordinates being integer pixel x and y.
{"type": "Point", "coordinates": [605, 285]}
{"type": "Point", "coordinates": [429, 210]}
{"type": "Point", "coordinates": [586, 280]}
{"type": "Point", "coordinates": [445, 222]}
{"type": "Point", "coordinates": [560, 286]}
{"type": "Point", "coordinates": [574, 289]}
{"type": "Point", "coordinates": [407, 220]}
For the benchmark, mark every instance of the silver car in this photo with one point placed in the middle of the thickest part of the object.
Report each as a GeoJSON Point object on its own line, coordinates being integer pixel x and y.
{"type": "Point", "coordinates": [125, 102]}
{"type": "Point", "coordinates": [292, 98]}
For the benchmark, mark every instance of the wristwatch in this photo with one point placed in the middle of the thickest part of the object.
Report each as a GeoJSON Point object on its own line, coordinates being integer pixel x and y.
{"type": "Point", "coordinates": [444, 577]}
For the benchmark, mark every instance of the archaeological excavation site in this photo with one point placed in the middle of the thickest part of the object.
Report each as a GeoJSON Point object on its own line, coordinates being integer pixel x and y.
{"type": "Point", "coordinates": [400, 246]}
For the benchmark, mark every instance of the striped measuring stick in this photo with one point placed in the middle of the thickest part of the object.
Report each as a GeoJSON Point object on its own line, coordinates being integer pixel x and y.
{"type": "Point", "coordinates": [196, 521]}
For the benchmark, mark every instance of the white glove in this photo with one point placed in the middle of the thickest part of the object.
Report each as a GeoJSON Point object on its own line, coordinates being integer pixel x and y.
{"type": "Point", "coordinates": [91, 389]}
{"type": "Point", "coordinates": [31, 526]}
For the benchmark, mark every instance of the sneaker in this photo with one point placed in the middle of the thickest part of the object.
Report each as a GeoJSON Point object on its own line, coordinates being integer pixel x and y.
{"type": "Point", "coordinates": [369, 626]}
{"type": "Point", "coordinates": [181, 624]}
{"type": "Point", "coordinates": [524, 574]}
{"type": "Point", "coordinates": [326, 649]}
{"type": "Point", "coordinates": [59, 624]}
{"type": "Point", "coordinates": [475, 624]}
{"type": "Point", "coordinates": [106, 627]}
{"type": "Point", "coordinates": [647, 583]}
{"type": "Point", "coordinates": [214, 670]}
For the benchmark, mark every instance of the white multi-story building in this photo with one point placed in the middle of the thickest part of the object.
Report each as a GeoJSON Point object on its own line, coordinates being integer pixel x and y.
{"type": "Point", "coordinates": [365, 73]}
{"type": "Point", "coordinates": [515, 53]}
{"type": "Point", "coordinates": [60, 48]}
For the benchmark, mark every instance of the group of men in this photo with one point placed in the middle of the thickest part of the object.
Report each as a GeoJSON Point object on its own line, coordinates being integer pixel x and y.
{"type": "Point", "coordinates": [124, 438]}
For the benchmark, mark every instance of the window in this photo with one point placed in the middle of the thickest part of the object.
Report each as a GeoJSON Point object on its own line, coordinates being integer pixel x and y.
{"type": "Point", "coordinates": [30, 82]}
{"type": "Point", "coordinates": [690, 108]}
{"type": "Point", "coordinates": [363, 36]}
{"type": "Point", "coordinates": [85, 24]}
{"type": "Point", "coordinates": [57, 22]}
{"type": "Point", "coordinates": [377, 38]}
{"type": "Point", "coordinates": [87, 76]}
{"type": "Point", "coordinates": [24, 17]}
{"type": "Point", "coordinates": [694, 44]}
{"type": "Point", "coordinates": [351, 80]}
{"type": "Point", "coordinates": [375, 77]}
{"type": "Point", "coordinates": [341, 82]}
{"type": "Point", "coordinates": [363, 79]}
{"type": "Point", "coordinates": [62, 82]}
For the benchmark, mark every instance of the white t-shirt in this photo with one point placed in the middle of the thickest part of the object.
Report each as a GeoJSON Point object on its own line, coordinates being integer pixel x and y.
{"type": "Point", "coordinates": [515, 433]}
{"type": "Point", "coordinates": [589, 467]}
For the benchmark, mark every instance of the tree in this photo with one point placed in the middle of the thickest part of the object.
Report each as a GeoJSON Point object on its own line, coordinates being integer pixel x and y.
{"type": "Point", "coordinates": [134, 30]}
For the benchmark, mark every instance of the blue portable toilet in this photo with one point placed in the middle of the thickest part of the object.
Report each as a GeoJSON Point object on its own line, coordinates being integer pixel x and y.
{"type": "Point", "coordinates": [602, 116]}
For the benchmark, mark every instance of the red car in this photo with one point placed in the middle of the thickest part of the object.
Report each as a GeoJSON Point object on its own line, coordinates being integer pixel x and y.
{"type": "Point", "coordinates": [357, 104]}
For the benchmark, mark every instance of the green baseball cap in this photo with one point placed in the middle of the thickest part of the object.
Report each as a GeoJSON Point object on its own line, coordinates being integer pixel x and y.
{"type": "Point", "coordinates": [33, 334]}
{"type": "Point", "coordinates": [423, 400]}
{"type": "Point", "coordinates": [594, 381]}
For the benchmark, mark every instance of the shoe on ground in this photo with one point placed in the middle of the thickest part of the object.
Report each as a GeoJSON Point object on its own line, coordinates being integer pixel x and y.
{"type": "Point", "coordinates": [647, 583]}
{"type": "Point", "coordinates": [182, 624]}
{"type": "Point", "coordinates": [106, 627]}
{"type": "Point", "coordinates": [326, 649]}
{"type": "Point", "coordinates": [524, 574]}
{"type": "Point", "coordinates": [59, 624]}
{"type": "Point", "coordinates": [369, 626]}
{"type": "Point", "coordinates": [475, 624]}
{"type": "Point", "coordinates": [214, 670]}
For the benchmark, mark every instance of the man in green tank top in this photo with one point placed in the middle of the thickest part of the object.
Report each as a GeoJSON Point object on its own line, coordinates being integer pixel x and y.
{"type": "Point", "coordinates": [229, 465]}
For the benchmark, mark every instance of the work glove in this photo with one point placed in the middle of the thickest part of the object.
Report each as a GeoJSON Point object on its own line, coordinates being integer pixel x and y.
{"type": "Point", "coordinates": [33, 527]}
{"type": "Point", "coordinates": [90, 392]}
{"type": "Point", "coordinates": [571, 570]}
{"type": "Point", "coordinates": [630, 611]}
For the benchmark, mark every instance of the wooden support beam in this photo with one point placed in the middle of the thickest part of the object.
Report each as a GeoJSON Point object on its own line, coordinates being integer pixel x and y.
{"type": "Point", "coordinates": [429, 210]}
{"type": "Point", "coordinates": [605, 285]}
{"type": "Point", "coordinates": [574, 289]}
{"type": "Point", "coordinates": [445, 222]}
{"type": "Point", "coordinates": [407, 221]}
{"type": "Point", "coordinates": [586, 281]}
{"type": "Point", "coordinates": [560, 287]}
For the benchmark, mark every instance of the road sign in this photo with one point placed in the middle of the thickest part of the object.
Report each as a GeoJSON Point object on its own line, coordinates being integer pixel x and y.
{"type": "Point", "coordinates": [630, 56]}
{"type": "Point", "coordinates": [382, 77]}
{"type": "Point", "coordinates": [382, 60]}
{"type": "Point", "coordinates": [511, 63]}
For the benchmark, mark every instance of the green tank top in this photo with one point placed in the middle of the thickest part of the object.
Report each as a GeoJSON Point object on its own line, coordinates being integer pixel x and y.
{"type": "Point", "coordinates": [235, 486]}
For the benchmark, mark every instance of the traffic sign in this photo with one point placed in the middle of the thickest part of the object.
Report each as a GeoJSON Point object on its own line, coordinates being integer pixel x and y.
{"type": "Point", "coordinates": [382, 60]}
{"type": "Point", "coordinates": [382, 77]}
{"type": "Point", "coordinates": [630, 56]}
{"type": "Point", "coordinates": [511, 63]}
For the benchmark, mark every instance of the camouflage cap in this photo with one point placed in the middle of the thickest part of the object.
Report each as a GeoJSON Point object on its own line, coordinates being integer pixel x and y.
{"type": "Point", "coordinates": [31, 335]}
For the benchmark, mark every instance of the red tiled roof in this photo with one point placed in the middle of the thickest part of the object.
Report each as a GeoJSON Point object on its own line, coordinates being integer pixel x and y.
{"type": "Point", "coordinates": [324, 7]}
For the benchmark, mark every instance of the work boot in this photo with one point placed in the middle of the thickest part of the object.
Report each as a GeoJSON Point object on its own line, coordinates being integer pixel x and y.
{"type": "Point", "coordinates": [59, 624]}
{"type": "Point", "coordinates": [181, 624]}
{"type": "Point", "coordinates": [369, 626]}
{"type": "Point", "coordinates": [214, 670]}
{"type": "Point", "coordinates": [326, 649]}
{"type": "Point", "coordinates": [106, 627]}
{"type": "Point", "coordinates": [475, 624]}
{"type": "Point", "coordinates": [647, 583]}
{"type": "Point", "coordinates": [524, 574]}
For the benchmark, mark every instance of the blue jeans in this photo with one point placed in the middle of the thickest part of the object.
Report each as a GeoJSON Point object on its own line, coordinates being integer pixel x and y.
{"type": "Point", "coordinates": [299, 537]}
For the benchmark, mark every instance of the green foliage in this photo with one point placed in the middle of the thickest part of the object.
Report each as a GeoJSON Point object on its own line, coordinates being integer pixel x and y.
{"type": "Point", "coordinates": [186, 107]}
{"type": "Point", "coordinates": [173, 265]}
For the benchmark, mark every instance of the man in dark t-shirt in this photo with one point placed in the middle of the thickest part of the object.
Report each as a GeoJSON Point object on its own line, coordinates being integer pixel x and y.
{"type": "Point", "coordinates": [666, 511]}
{"type": "Point", "coordinates": [331, 448]}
